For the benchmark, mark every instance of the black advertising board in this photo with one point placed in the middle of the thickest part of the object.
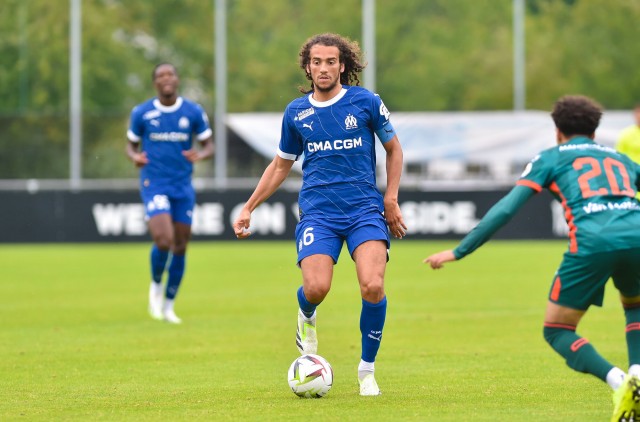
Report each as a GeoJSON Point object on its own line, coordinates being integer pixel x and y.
{"type": "Point", "coordinates": [96, 216]}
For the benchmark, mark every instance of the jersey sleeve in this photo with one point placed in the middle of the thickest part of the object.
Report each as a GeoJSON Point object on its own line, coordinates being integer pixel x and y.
{"type": "Point", "coordinates": [494, 219]}
{"type": "Point", "coordinates": [136, 127]}
{"type": "Point", "coordinates": [381, 124]}
{"type": "Point", "coordinates": [537, 174]}
{"type": "Point", "coordinates": [291, 145]}
{"type": "Point", "coordinates": [201, 124]}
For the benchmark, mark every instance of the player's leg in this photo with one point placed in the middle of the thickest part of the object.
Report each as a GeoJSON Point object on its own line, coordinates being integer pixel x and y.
{"type": "Point", "coordinates": [182, 207]}
{"type": "Point", "coordinates": [560, 326]}
{"type": "Point", "coordinates": [626, 278]}
{"type": "Point", "coordinates": [626, 399]}
{"type": "Point", "coordinates": [371, 260]}
{"type": "Point", "coordinates": [161, 230]}
{"type": "Point", "coordinates": [182, 233]}
{"type": "Point", "coordinates": [579, 284]}
{"type": "Point", "coordinates": [317, 271]}
{"type": "Point", "coordinates": [631, 307]}
{"type": "Point", "coordinates": [318, 250]}
{"type": "Point", "coordinates": [368, 243]}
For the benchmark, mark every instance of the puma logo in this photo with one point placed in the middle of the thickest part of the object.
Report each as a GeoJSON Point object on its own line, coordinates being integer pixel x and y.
{"type": "Point", "coordinates": [375, 338]}
{"type": "Point", "coordinates": [308, 125]}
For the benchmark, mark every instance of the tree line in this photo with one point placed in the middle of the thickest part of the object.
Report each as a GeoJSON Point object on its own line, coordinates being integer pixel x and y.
{"type": "Point", "coordinates": [432, 55]}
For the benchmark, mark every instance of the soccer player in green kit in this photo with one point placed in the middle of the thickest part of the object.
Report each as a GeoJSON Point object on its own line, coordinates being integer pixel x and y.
{"type": "Point", "coordinates": [596, 186]}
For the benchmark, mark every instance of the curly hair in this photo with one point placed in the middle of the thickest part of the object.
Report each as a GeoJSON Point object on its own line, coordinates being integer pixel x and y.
{"type": "Point", "coordinates": [350, 55]}
{"type": "Point", "coordinates": [576, 115]}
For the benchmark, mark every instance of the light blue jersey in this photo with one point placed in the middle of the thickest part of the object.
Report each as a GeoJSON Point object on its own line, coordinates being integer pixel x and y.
{"type": "Point", "coordinates": [337, 139]}
{"type": "Point", "coordinates": [165, 132]}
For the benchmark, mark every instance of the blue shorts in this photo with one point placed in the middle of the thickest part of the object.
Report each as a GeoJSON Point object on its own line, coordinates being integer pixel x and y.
{"type": "Point", "coordinates": [167, 199]}
{"type": "Point", "coordinates": [316, 235]}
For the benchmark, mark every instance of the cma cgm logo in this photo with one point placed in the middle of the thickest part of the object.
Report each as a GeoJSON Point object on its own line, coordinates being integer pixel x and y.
{"type": "Point", "coordinates": [337, 144]}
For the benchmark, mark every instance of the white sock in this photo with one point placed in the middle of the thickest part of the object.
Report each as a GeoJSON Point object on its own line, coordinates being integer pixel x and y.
{"type": "Point", "coordinates": [168, 305]}
{"type": "Point", "coordinates": [365, 368]}
{"type": "Point", "coordinates": [615, 377]}
{"type": "Point", "coordinates": [634, 370]}
{"type": "Point", "coordinates": [155, 288]}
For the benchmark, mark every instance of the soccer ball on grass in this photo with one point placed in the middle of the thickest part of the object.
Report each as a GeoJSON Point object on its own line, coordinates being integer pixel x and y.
{"type": "Point", "coordinates": [310, 376]}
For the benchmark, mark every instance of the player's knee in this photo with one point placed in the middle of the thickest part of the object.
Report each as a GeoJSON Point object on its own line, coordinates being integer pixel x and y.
{"type": "Point", "coordinates": [372, 292]}
{"type": "Point", "coordinates": [179, 248]}
{"type": "Point", "coordinates": [316, 292]}
{"type": "Point", "coordinates": [163, 242]}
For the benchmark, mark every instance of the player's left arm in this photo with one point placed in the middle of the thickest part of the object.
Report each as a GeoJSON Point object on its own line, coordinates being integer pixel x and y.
{"type": "Point", "coordinates": [197, 154]}
{"type": "Point", "coordinates": [203, 136]}
{"type": "Point", "coordinates": [392, 212]}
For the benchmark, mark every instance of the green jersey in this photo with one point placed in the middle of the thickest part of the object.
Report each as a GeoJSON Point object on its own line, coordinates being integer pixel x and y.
{"type": "Point", "coordinates": [595, 185]}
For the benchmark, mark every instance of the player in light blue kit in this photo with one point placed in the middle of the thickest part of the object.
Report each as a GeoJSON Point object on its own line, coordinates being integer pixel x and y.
{"type": "Point", "coordinates": [160, 144]}
{"type": "Point", "coordinates": [334, 126]}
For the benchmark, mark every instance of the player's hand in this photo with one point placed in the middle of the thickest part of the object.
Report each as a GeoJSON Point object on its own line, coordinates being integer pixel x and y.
{"type": "Point", "coordinates": [437, 260]}
{"type": "Point", "coordinates": [242, 223]}
{"type": "Point", "coordinates": [393, 215]}
{"type": "Point", "coordinates": [192, 155]}
{"type": "Point", "coordinates": [140, 159]}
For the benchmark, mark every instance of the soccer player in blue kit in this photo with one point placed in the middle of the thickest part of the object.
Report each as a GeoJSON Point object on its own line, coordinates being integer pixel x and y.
{"type": "Point", "coordinates": [160, 143]}
{"type": "Point", "coordinates": [334, 126]}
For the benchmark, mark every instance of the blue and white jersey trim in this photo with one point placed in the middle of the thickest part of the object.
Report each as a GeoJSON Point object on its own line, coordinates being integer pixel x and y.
{"type": "Point", "coordinates": [132, 136]}
{"type": "Point", "coordinates": [168, 109]}
{"type": "Point", "coordinates": [327, 103]}
{"type": "Point", "coordinates": [287, 156]}
{"type": "Point", "coordinates": [204, 135]}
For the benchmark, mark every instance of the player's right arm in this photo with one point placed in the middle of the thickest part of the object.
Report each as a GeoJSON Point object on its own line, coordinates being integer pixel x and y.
{"type": "Point", "coordinates": [289, 149]}
{"type": "Point", "coordinates": [139, 158]}
{"type": "Point", "coordinates": [134, 135]}
{"type": "Point", "coordinates": [271, 179]}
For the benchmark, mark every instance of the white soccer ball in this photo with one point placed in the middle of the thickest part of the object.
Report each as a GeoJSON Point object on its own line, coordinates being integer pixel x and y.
{"type": "Point", "coordinates": [310, 376]}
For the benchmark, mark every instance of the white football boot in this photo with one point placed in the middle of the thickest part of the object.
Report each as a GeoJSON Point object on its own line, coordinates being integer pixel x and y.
{"type": "Point", "coordinates": [306, 337]}
{"type": "Point", "coordinates": [155, 300]}
{"type": "Point", "coordinates": [168, 313]}
{"type": "Point", "coordinates": [369, 386]}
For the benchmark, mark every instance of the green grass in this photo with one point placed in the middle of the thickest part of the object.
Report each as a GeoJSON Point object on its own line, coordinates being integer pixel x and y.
{"type": "Point", "coordinates": [462, 343]}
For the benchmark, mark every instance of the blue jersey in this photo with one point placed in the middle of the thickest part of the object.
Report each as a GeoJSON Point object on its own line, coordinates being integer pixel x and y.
{"type": "Point", "coordinates": [337, 139]}
{"type": "Point", "coordinates": [165, 132]}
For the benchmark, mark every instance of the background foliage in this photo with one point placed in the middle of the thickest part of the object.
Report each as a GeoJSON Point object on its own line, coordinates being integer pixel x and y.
{"type": "Point", "coordinates": [431, 56]}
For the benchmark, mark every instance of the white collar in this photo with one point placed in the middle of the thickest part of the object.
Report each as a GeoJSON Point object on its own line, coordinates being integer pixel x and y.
{"type": "Point", "coordinates": [168, 109]}
{"type": "Point", "coordinates": [327, 103]}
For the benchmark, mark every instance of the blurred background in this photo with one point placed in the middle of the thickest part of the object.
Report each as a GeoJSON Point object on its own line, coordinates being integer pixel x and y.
{"type": "Point", "coordinates": [469, 83]}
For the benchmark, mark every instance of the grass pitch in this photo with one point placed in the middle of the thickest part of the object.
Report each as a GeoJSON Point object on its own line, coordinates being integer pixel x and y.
{"type": "Point", "coordinates": [461, 343]}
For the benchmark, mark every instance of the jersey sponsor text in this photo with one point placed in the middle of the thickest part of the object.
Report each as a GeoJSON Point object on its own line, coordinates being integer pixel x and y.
{"type": "Point", "coordinates": [337, 144]}
{"type": "Point", "coordinates": [169, 136]}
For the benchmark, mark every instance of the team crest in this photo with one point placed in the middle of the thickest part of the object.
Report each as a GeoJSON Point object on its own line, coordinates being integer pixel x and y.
{"type": "Point", "coordinates": [183, 123]}
{"type": "Point", "coordinates": [350, 122]}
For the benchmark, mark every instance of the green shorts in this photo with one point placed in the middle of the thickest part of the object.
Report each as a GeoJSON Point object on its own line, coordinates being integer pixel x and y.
{"type": "Point", "coordinates": [580, 280]}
